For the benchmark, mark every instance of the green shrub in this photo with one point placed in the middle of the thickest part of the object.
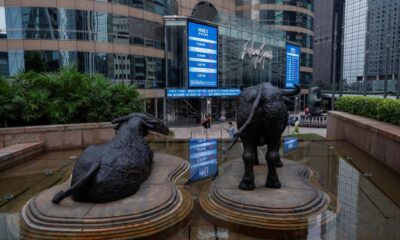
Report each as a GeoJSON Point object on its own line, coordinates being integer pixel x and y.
{"type": "Point", "coordinates": [386, 110]}
{"type": "Point", "coordinates": [67, 96]}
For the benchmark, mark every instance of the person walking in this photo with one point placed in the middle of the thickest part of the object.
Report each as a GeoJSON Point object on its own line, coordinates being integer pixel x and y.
{"type": "Point", "coordinates": [297, 126]}
{"type": "Point", "coordinates": [231, 130]}
{"type": "Point", "coordinates": [208, 119]}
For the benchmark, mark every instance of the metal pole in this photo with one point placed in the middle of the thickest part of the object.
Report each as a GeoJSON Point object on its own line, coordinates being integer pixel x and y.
{"type": "Point", "coordinates": [334, 65]}
{"type": "Point", "coordinates": [165, 110]}
{"type": "Point", "coordinates": [341, 53]}
{"type": "Point", "coordinates": [385, 83]}
{"type": "Point", "coordinates": [366, 49]}
{"type": "Point", "coordinates": [398, 77]}
{"type": "Point", "coordinates": [388, 41]}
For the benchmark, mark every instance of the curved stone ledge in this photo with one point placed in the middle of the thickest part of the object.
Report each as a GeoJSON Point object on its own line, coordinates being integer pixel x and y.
{"type": "Point", "coordinates": [379, 139]}
{"type": "Point", "coordinates": [158, 209]}
{"type": "Point", "coordinates": [287, 213]}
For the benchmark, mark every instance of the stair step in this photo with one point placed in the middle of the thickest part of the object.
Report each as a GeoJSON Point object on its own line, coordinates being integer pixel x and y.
{"type": "Point", "coordinates": [15, 154]}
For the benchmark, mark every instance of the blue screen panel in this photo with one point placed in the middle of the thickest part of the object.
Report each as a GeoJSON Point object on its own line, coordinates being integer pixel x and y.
{"type": "Point", "coordinates": [177, 93]}
{"type": "Point", "coordinates": [292, 66]}
{"type": "Point", "coordinates": [290, 144]}
{"type": "Point", "coordinates": [203, 55]}
{"type": "Point", "coordinates": [203, 158]}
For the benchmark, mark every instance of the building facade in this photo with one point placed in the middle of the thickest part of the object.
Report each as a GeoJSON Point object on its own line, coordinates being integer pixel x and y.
{"type": "Point", "coordinates": [295, 17]}
{"type": "Point", "coordinates": [372, 46]}
{"type": "Point", "coordinates": [328, 28]}
{"type": "Point", "coordinates": [383, 45]}
{"type": "Point", "coordinates": [354, 40]}
{"type": "Point", "coordinates": [126, 41]}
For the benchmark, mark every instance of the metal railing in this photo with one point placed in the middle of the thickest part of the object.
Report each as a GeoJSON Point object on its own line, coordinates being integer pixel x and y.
{"type": "Point", "coordinates": [207, 133]}
{"type": "Point", "coordinates": [313, 121]}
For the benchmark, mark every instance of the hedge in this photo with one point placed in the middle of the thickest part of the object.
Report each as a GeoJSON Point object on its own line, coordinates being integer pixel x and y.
{"type": "Point", "coordinates": [385, 110]}
{"type": "Point", "coordinates": [63, 97]}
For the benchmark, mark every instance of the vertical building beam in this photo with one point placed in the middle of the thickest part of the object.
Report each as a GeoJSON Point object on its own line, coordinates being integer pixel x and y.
{"type": "Point", "coordinates": [334, 64]}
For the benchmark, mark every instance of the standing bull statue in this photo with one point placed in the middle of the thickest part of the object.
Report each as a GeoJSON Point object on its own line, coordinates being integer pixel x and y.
{"type": "Point", "coordinates": [115, 170]}
{"type": "Point", "coordinates": [262, 118]}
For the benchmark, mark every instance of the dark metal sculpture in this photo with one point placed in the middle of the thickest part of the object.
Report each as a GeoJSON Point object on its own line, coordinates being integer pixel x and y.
{"type": "Point", "coordinates": [262, 118]}
{"type": "Point", "coordinates": [314, 101]}
{"type": "Point", "coordinates": [116, 169]}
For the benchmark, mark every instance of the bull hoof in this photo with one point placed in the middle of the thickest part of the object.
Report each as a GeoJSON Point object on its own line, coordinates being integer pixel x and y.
{"type": "Point", "coordinates": [273, 183]}
{"type": "Point", "coordinates": [247, 185]}
{"type": "Point", "coordinates": [279, 164]}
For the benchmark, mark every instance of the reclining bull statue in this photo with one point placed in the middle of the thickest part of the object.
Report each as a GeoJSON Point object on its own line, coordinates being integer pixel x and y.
{"type": "Point", "coordinates": [262, 117]}
{"type": "Point", "coordinates": [115, 170]}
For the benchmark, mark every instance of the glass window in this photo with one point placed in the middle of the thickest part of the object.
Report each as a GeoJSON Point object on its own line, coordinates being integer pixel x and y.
{"type": "Point", "coordinates": [3, 29]}
{"type": "Point", "coordinates": [42, 61]}
{"type": "Point", "coordinates": [4, 64]}
{"type": "Point", "coordinates": [40, 23]}
{"type": "Point", "coordinates": [16, 61]}
{"type": "Point", "coordinates": [67, 24]}
{"type": "Point", "coordinates": [14, 23]}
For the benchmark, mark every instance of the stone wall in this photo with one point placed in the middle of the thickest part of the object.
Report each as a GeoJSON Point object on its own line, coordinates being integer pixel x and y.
{"type": "Point", "coordinates": [380, 140]}
{"type": "Point", "coordinates": [58, 137]}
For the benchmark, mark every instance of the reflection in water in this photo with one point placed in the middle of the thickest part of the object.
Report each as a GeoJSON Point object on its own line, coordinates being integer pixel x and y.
{"type": "Point", "coordinates": [368, 205]}
{"type": "Point", "coordinates": [348, 179]}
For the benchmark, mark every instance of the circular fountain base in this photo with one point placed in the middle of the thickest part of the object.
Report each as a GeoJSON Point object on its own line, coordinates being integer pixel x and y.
{"type": "Point", "coordinates": [296, 211]}
{"type": "Point", "coordinates": [158, 209]}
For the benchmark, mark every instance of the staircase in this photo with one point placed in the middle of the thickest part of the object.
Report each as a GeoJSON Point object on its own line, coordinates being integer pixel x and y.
{"type": "Point", "coordinates": [15, 154]}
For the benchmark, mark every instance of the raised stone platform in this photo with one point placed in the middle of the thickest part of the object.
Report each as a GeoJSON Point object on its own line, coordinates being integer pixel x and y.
{"type": "Point", "coordinates": [296, 211]}
{"type": "Point", "coordinates": [158, 209]}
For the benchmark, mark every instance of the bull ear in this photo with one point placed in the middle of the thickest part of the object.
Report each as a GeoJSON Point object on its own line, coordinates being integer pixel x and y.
{"type": "Point", "coordinates": [149, 121]}
{"type": "Point", "coordinates": [121, 119]}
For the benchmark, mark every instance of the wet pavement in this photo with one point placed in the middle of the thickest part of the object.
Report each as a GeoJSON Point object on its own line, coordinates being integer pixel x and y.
{"type": "Point", "coordinates": [367, 191]}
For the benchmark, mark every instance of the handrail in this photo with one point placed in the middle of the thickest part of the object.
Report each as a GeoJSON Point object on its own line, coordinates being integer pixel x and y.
{"type": "Point", "coordinates": [207, 132]}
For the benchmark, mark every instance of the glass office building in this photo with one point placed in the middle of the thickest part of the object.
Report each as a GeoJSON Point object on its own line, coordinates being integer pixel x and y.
{"type": "Point", "coordinates": [355, 29]}
{"type": "Point", "coordinates": [295, 17]}
{"type": "Point", "coordinates": [127, 41]}
{"type": "Point", "coordinates": [372, 47]}
{"type": "Point", "coordinates": [235, 71]}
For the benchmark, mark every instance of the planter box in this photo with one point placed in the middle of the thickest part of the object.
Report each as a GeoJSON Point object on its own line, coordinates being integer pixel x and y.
{"type": "Point", "coordinates": [378, 139]}
{"type": "Point", "coordinates": [63, 137]}
{"type": "Point", "coordinates": [58, 137]}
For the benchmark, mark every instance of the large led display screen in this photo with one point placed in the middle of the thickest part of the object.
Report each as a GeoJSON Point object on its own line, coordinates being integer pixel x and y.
{"type": "Point", "coordinates": [203, 55]}
{"type": "Point", "coordinates": [175, 93]}
{"type": "Point", "coordinates": [292, 66]}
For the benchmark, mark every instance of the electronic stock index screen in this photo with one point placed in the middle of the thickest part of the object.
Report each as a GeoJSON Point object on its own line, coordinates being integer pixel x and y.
{"type": "Point", "coordinates": [202, 55]}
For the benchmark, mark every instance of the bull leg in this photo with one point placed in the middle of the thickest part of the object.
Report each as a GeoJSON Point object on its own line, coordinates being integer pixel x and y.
{"type": "Point", "coordinates": [255, 161]}
{"type": "Point", "coordinates": [272, 158]}
{"type": "Point", "coordinates": [279, 163]}
{"type": "Point", "coordinates": [249, 155]}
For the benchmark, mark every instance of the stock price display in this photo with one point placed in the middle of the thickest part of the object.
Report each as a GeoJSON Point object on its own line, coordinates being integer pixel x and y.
{"type": "Point", "coordinates": [203, 55]}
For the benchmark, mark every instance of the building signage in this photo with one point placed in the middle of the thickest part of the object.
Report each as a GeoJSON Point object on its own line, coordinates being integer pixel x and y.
{"type": "Point", "coordinates": [292, 66]}
{"type": "Point", "coordinates": [203, 158]}
{"type": "Point", "coordinates": [202, 93]}
{"type": "Point", "coordinates": [259, 55]}
{"type": "Point", "coordinates": [203, 55]}
{"type": "Point", "coordinates": [290, 144]}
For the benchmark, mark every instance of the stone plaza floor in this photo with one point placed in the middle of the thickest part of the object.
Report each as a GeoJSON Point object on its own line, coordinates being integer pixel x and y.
{"type": "Point", "coordinates": [218, 130]}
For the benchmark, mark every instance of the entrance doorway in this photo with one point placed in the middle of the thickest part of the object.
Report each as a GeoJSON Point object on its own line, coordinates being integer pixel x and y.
{"type": "Point", "coordinates": [191, 111]}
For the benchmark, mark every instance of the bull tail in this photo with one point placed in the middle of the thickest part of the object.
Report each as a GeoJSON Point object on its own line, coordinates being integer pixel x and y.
{"type": "Point", "coordinates": [249, 119]}
{"type": "Point", "coordinates": [83, 181]}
